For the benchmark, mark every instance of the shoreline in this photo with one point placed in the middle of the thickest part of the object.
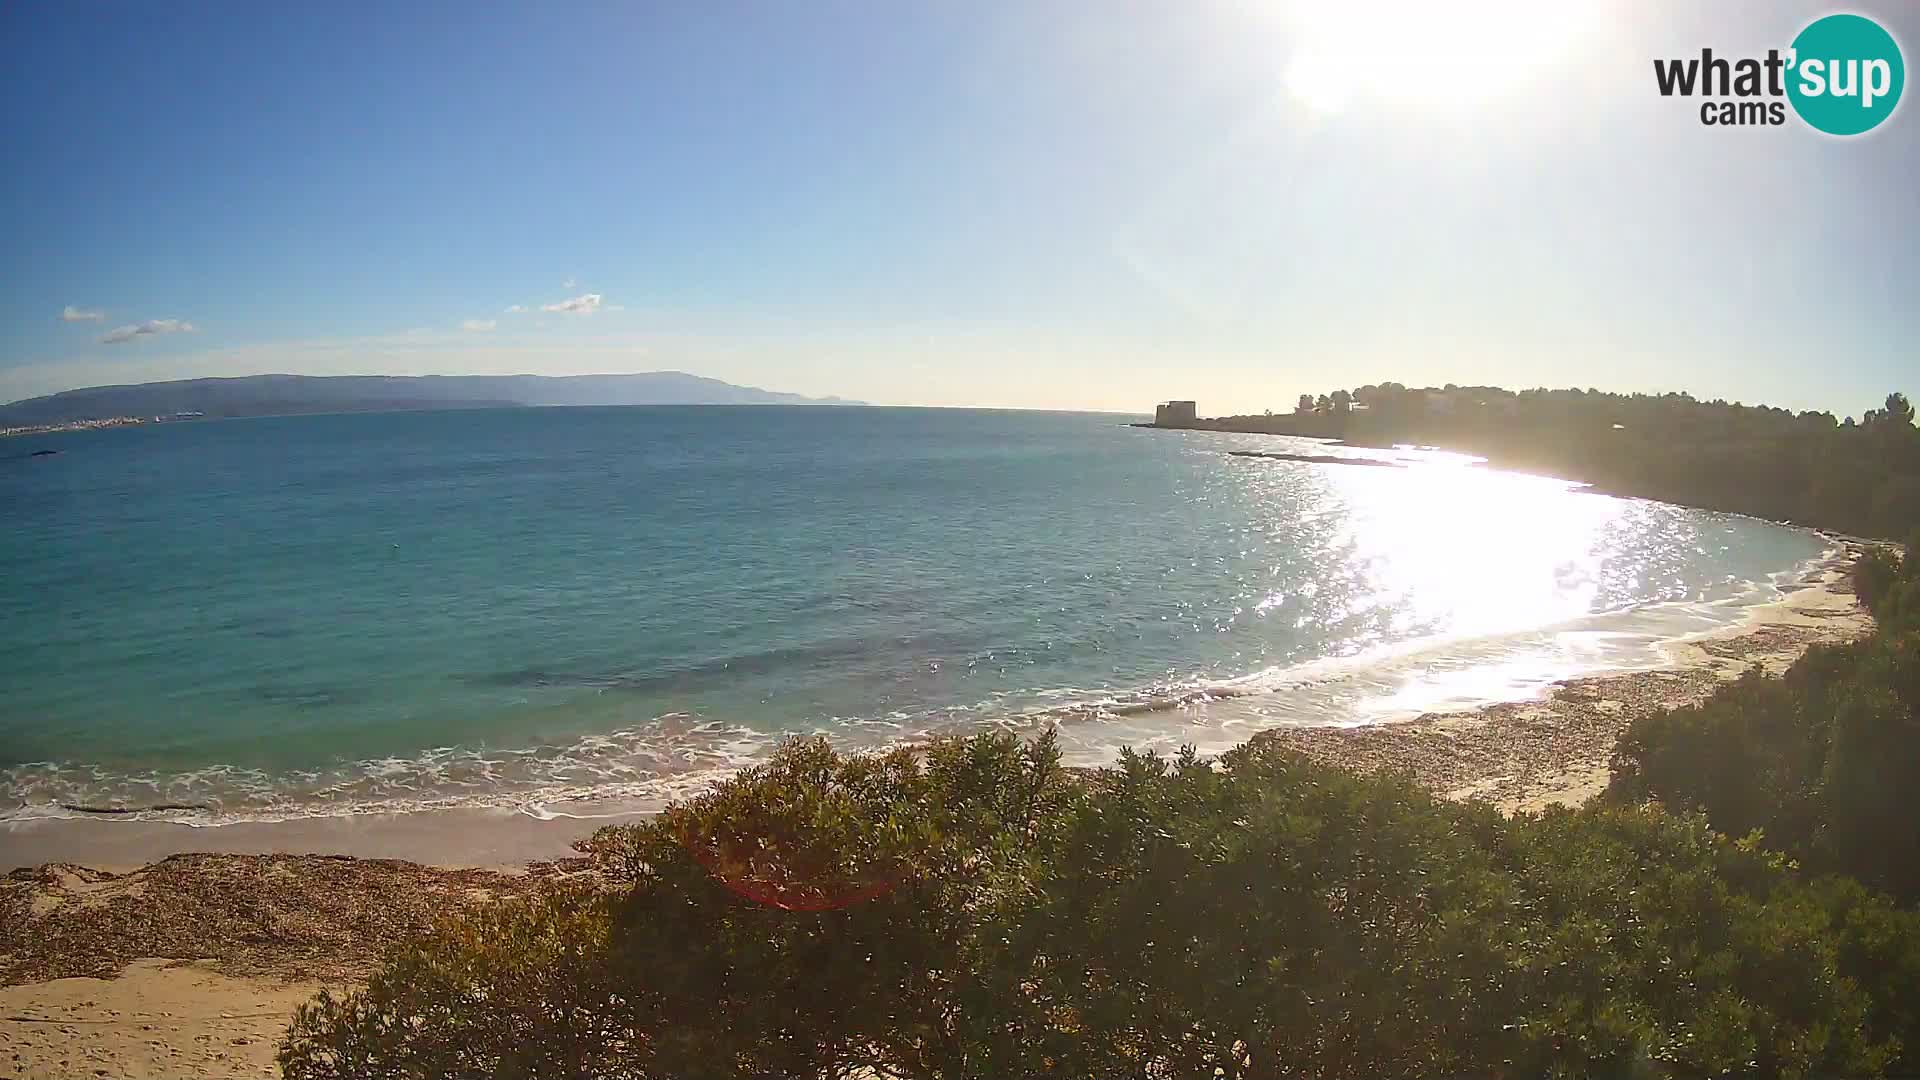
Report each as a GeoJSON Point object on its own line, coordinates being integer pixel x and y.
{"type": "Point", "coordinates": [1555, 751]}
{"type": "Point", "coordinates": [194, 964]}
{"type": "Point", "coordinates": [1558, 721]}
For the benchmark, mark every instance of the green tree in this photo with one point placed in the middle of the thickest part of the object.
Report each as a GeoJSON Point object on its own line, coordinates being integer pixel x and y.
{"type": "Point", "coordinates": [1898, 411]}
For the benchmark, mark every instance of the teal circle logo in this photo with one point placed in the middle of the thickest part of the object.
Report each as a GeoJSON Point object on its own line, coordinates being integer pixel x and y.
{"type": "Point", "coordinates": [1846, 74]}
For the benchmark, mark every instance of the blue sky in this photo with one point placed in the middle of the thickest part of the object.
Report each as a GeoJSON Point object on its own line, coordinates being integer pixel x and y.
{"type": "Point", "coordinates": [1082, 204]}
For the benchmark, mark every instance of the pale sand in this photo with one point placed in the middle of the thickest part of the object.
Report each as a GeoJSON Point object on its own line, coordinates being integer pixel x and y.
{"type": "Point", "coordinates": [159, 1018]}
{"type": "Point", "coordinates": [82, 992]}
{"type": "Point", "coordinates": [260, 957]}
{"type": "Point", "coordinates": [1529, 755]}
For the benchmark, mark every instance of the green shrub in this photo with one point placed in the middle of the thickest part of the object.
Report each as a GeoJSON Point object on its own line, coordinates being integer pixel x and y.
{"type": "Point", "coordinates": [1888, 583]}
{"type": "Point", "coordinates": [1872, 772]}
{"type": "Point", "coordinates": [893, 871]}
{"type": "Point", "coordinates": [1879, 948]}
{"type": "Point", "coordinates": [1661, 948]}
{"type": "Point", "coordinates": [518, 989]}
{"type": "Point", "coordinates": [1874, 574]}
{"type": "Point", "coordinates": [1273, 917]}
{"type": "Point", "coordinates": [914, 871]}
{"type": "Point", "coordinates": [973, 910]}
{"type": "Point", "coordinates": [1749, 756]}
{"type": "Point", "coordinates": [1899, 610]}
{"type": "Point", "coordinates": [1823, 761]}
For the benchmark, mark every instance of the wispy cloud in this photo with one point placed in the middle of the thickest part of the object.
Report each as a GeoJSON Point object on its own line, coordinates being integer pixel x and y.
{"type": "Point", "coordinates": [151, 326]}
{"type": "Point", "coordinates": [516, 309]}
{"type": "Point", "coordinates": [75, 314]}
{"type": "Point", "coordinates": [584, 304]}
{"type": "Point", "coordinates": [480, 326]}
{"type": "Point", "coordinates": [568, 284]}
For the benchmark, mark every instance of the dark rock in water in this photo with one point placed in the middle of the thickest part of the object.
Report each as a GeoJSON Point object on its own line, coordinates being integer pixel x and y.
{"type": "Point", "coordinates": [305, 697]}
{"type": "Point", "coordinates": [83, 808]}
{"type": "Point", "coordinates": [43, 453]}
{"type": "Point", "coordinates": [1317, 459]}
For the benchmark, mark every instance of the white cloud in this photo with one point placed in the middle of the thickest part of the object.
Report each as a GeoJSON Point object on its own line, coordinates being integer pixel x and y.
{"type": "Point", "coordinates": [151, 326]}
{"type": "Point", "coordinates": [584, 304]}
{"type": "Point", "coordinates": [516, 309]}
{"type": "Point", "coordinates": [478, 325]}
{"type": "Point", "coordinates": [568, 284]}
{"type": "Point", "coordinates": [74, 314]}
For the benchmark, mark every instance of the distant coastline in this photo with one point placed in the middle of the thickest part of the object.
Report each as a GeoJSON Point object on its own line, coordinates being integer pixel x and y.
{"type": "Point", "coordinates": [290, 395]}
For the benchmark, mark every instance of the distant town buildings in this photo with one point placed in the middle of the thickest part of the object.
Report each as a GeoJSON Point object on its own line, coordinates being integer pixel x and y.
{"type": "Point", "coordinates": [103, 422]}
{"type": "Point", "coordinates": [72, 425]}
{"type": "Point", "coordinates": [1175, 414]}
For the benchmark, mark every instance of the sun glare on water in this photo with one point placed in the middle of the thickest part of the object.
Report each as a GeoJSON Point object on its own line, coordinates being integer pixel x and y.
{"type": "Point", "coordinates": [1425, 52]}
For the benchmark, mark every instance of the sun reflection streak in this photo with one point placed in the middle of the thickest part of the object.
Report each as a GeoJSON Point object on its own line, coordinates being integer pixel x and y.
{"type": "Point", "coordinates": [1445, 549]}
{"type": "Point", "coordinates": [1469, 551]}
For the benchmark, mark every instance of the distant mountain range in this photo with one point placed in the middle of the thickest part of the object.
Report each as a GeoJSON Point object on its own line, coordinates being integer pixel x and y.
{"type": "Point", "coordinates": [279, 395]}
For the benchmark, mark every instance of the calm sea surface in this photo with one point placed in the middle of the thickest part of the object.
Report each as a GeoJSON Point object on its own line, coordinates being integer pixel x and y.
{"type": "Point", "coordinates": [276, 617]}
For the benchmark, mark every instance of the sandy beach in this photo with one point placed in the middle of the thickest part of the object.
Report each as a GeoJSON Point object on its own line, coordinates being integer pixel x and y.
{"type": "Point", "coordinates": [1528, 755]}
{"type": "Point", "coordinates": [193, 965]}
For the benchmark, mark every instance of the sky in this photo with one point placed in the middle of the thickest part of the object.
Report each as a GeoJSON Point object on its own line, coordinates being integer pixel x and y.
{"type": "Point", "coordinates": [1078, 204]}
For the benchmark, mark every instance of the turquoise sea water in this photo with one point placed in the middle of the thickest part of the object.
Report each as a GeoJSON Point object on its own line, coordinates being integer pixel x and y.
{"type": "Point", "coordinates": [303, 615]}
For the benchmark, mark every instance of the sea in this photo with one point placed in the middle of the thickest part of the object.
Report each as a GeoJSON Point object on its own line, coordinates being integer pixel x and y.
{"type": "Point", "coordinates": [554, 609]}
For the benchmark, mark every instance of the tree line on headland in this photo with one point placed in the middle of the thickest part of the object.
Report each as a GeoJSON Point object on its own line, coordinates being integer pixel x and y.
{"type": "Point", "coordinates": [1809, 468]}
{"type": "Point", "coordinates": [1744, 900]}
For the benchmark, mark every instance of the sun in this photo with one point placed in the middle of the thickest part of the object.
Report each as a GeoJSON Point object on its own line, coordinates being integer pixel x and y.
{"type": "Point", "coordinates": [1427, 52]}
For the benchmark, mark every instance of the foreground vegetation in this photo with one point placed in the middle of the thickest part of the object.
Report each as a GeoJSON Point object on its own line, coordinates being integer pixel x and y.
{"type": "Point", "coordinates": [1860, 477]}
{"type": "Point", "coordinates": [1824, 763]}
{"type": "Point", "coordinates": [979, 913]}
{"type": "Point", "coordinates": [974, 910]}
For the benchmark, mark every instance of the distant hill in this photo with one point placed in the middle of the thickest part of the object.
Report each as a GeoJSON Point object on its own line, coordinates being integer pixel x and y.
{"type": "Point", "coordinates": [278, 395]}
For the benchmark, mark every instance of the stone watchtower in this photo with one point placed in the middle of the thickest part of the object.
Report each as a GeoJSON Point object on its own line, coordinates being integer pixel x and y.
{"type": "Point", "coordinates": [1175, 414]}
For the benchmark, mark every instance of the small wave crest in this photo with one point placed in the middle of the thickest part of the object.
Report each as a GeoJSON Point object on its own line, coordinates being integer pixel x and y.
{"type": "Point", "coordinates": [637, 762]}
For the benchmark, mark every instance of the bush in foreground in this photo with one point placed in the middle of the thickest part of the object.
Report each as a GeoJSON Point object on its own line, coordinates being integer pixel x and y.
{"type": "Point", "coordinates": [975, 911]}
{"type": "Point", "coordinates": [524, 988]}
{"type": "Point", "coordinates": [1823, 761]}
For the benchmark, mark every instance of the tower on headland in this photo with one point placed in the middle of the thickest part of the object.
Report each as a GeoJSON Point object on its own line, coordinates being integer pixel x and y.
{"type": "Point", "coordinates": [1175, 414]}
